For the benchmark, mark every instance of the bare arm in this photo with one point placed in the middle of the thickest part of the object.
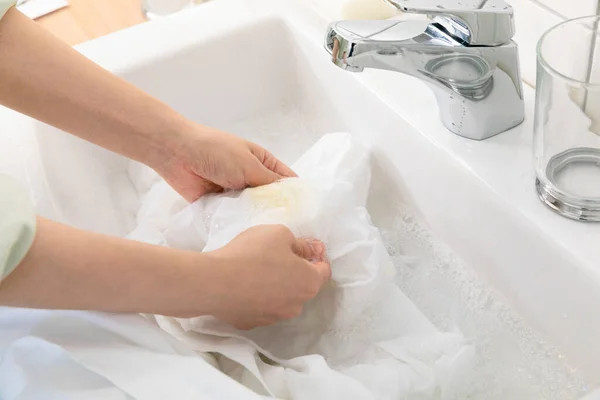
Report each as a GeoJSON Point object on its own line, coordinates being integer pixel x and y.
{"type": "Point", "coordinates": [49, 81]}
{"type": "Point", "coordinates": [243, 283]}
{"type": "Point", "coordinates": [44, 78]}
{"type": "Point", "coordinates": [67, 268]}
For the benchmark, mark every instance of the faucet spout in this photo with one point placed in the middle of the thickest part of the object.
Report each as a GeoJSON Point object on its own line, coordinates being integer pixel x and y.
{"type": "Point", "coordinates": [478, 88]}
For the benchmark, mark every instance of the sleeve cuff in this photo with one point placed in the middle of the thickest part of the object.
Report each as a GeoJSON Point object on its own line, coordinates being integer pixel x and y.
{"type": "Point", "coordinates": [5, 6]}
{"type": "Point", "coordinates": [17, 225]}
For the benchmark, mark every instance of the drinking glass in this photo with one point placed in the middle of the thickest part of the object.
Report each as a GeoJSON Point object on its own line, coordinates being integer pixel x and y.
{"type": "Point", "coordinates": [567, 119]}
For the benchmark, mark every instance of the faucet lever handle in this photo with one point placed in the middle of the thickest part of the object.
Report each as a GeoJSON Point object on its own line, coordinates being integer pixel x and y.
{"type": "Point", "coordinates": [475, 22]}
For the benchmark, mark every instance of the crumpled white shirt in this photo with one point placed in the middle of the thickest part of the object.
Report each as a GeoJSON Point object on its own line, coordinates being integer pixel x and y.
{"type": "Point", "coordinates": [361, 337]}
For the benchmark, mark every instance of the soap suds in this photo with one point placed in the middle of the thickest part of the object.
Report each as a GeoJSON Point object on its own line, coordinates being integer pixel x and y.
{"type": "Point", "coordinates": [514, 361]}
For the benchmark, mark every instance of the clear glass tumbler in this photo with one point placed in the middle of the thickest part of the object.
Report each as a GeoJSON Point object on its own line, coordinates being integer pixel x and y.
{"type": "Point", "coordinates": [567, 119]}
{"type": "Point", "coordinates": [159, 8]}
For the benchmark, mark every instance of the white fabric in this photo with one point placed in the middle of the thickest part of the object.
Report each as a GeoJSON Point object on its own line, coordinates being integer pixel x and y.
{"type": "Point", "coordinates": [361, 337]}
{"type": "Point", "coordinates": [68, 355]}
{"type": "Point", "coordinates": [594, 395]}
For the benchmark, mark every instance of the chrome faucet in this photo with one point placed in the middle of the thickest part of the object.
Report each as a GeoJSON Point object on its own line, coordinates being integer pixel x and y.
{"type": "Point", "coordinates": [463, 51]}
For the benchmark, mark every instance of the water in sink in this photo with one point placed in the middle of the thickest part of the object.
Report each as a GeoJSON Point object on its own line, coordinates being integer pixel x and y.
{"type": "Point", "coordinates": [287, 129]}
{"type": "Point", "coordinates": [514, 362]}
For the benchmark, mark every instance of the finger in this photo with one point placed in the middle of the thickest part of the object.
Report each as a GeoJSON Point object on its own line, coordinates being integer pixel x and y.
{"type": "Point", "coordinates": [259, 175]}
{"type": "Point", "coordinates": [277, 166]}
{"type": "Point", "coordinates": [324, 270]}
{"type": "Point", "coordinates": [271, 162]}
{"type": "Point", "coordinates": [312, 250]}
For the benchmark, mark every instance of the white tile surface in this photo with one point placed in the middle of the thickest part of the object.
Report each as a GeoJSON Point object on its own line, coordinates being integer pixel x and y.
{"type": "Point", "coordinates": [531, 22]}
{"type": "Point", "coordinates": [572, 9]}
{"type": "Point", "coordinates": [534, 17]}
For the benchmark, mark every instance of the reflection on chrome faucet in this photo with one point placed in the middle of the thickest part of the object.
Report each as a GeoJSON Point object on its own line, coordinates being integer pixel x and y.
{"type": "Point", "coordinates": [464, 52]}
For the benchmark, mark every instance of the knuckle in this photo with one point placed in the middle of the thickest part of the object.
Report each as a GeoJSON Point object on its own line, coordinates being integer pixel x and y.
{"type": "Point", "coordinates": [284, 231]}
{"type": "Point", "coordinates": [280, 231]}
{"type": "Point", "coordinates": [280, 228]}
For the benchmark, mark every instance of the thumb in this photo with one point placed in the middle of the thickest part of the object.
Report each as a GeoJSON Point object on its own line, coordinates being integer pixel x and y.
{"type": "Point", "coordinates": [312, 250]}
{"type": "Point", "coordinates": [259, 175]}
{"type": "Point", "coordinates": [324, 269]}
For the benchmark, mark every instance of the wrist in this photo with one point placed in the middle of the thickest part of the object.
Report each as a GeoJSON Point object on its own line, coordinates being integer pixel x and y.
{"type": "Point", "coordinates": [170, 144]}
{"type": "Point", "coordinates": [192, 288]}
{"type": "Point", "coordinates": [165, 141]}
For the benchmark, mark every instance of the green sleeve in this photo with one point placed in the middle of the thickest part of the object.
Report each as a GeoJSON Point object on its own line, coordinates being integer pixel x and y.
{"type": "Point", "coordinates": [17, 225]}
{"type": "Point", "coordinates": [17, 216]}
{"type": "Point", "coordinates": [5, 5]}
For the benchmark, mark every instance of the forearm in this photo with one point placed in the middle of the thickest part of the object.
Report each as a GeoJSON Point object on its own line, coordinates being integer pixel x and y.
{"type": "Point", "coordinates": [48, 80]}
{"type": "Point", "coordinates": [67, 268]}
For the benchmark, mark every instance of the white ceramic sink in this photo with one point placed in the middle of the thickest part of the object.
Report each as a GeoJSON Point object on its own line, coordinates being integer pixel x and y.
{"type": "Point", "coordinates": [521, 281]}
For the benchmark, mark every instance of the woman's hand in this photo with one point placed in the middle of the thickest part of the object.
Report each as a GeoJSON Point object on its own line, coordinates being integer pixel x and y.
{"type": "Point", "coordinates": [264, 275]}
{"type": "Point", "coordinates": [203, 160]}
{"type": "Point", "coordinates": [66, 90]}
{"type": "Point", "coordinates": [261, 276]}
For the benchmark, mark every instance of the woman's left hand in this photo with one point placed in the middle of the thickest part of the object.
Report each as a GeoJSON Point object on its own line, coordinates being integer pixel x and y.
{"type": "Point", "coordinates": [64, 89]}
{"type": "Point", "coordinates": [204, 160]}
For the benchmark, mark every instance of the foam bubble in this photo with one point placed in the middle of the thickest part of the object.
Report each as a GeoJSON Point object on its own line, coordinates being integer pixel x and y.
{"type": "Point", "coordinates": [514, 362]}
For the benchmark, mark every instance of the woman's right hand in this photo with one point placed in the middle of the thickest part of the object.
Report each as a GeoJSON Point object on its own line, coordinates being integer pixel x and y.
{"type": "Point", "coordinates": [264, 275]}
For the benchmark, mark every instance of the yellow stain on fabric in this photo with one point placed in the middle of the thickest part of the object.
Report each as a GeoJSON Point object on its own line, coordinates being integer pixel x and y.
{"type": "Point", "coordinates": [286, 196]}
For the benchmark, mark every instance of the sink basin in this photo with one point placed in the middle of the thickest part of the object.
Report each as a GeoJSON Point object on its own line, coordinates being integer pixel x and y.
{"type": "Point", "coordinates": [490, 259]}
